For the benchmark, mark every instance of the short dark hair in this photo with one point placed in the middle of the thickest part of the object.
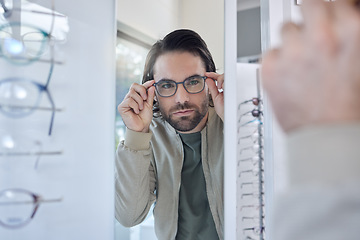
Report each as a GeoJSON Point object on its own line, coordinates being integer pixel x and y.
{"type": "Point", "coordinates": [181, 40]}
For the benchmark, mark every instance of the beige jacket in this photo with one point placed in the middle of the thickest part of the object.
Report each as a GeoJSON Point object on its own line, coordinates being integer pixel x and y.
{"type": "Point", "coordinates": [148, 170]}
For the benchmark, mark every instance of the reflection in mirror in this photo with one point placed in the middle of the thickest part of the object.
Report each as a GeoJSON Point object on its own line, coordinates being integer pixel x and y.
{"type": "Point", "coordinates": [179, 177]}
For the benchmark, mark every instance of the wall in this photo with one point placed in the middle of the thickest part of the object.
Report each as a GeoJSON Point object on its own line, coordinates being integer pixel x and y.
{"type": "Point", "coordinates": [154, 18]}
{"type": "Point", "coordinates": [207, 18]}
{"type": "Point", "coordinates": [83, 88]}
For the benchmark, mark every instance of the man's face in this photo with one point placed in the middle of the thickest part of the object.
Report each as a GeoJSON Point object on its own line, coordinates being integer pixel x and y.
{"type": "Point", "coordinates": [184, 111]}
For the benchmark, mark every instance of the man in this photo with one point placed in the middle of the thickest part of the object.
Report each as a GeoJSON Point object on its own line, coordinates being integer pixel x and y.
{"type": "Point", "coordinates": [313, 83]}
{"type": "Point", "coordinates": [173, 149]}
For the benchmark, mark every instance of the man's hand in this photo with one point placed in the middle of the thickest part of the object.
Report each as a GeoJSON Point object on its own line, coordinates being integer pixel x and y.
{"type": "Point", "coordinates": [216, 91]}
{"type": "Point", "coordinates": [314, 78]}
{"type": "Point", "coordinates": [136, 108]}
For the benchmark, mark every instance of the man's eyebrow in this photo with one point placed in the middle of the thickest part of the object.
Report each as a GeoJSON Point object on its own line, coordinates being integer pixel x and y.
{"type": "Point", "coordinates": [195, 75]}
{"type": "Point", "coordinates": [165, 79]}
{"type": "Point", "coordinates": [168, 79]}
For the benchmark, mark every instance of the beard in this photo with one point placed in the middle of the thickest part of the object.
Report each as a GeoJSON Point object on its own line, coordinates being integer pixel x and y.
{"type": "Point", "coordinates": [186, 123]}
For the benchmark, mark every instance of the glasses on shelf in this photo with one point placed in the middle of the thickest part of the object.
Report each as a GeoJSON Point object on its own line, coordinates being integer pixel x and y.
{"type": "Point", "coordinates": [250, 184]}
{"type": "Point", "coordinates": [19, 206]}
{"type": "Point", "coordinates": [251, 218]}
{"type": "Point", "coordinates": [23, 44]}
{"type": "Point", "coordinates": [256, 195]}
{"type": "Point", "coordinates": [255, 101]}
{"type": "Point", "coordinates": [193, 84]}
{"type": "Point", "coordinates": [19, 97]}
{"type": "Point", "coordinates": [254, 160]}
{"type": "Point", "coordinates": [256, 230]}
{"type": "Point", "coordinates": [253, 148]}
{"type": "Point", "coordinates": [250, 207]}
{"type": "Point", "coordinates": [16, 148]}
{"type": "Point", "coordinates": [254, 172]}
{"type": "Point", "coordinates": [253, 136]}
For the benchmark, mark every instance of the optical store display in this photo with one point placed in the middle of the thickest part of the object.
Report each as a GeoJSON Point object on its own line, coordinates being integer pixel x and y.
{"type": "Point", "coordinates": [250, 165]}
{"type": "Point", "coordinates": [27, 40]}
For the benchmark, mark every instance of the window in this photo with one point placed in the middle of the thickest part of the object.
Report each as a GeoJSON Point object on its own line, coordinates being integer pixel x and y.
{"type": "Point", "coordinates": [130, 60]}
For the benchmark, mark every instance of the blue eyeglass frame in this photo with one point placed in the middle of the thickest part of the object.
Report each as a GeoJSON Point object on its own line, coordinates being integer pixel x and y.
{"type": "Point", "coordinates": [177, 83]}
{"type": "Point", "coordinates": [41, 88]}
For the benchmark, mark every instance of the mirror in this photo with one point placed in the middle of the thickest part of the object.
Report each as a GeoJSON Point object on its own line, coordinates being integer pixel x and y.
{"type": "Point", "coordinates": [138, 29]}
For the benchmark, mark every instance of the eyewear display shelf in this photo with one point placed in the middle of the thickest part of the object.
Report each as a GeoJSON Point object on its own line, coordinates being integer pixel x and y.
{"type": "Point", "coordinates": [250, 202]}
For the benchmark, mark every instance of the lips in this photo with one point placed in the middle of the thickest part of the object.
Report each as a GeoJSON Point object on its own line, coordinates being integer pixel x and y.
{"type": "Point", "coordinates": [184, 112]}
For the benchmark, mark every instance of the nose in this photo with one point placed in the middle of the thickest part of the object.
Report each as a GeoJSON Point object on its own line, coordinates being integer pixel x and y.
{"type": "Point", "coordinates": [181, 95]}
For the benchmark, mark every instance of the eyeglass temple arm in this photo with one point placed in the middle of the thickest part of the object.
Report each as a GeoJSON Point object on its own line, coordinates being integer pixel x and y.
{"type": "Point", "coordinates": [49, 96]}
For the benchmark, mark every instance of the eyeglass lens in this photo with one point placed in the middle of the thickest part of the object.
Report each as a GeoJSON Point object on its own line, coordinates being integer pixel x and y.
{"type": "Point", "coordinates": [16, 208]}
{"type": "Point", "coordinates": [167, 88]}
{"type": "Point", "coordinates": [19, 97]}
{"type": "Point", "coordinates": [22, 44]}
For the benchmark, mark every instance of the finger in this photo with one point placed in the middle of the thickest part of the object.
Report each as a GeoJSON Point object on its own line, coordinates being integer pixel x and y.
{"type": "Point", "coordinates": [316, 13]}
{"type": "Point", "coordinates": [290, 32]}
{"type": "Point", "coordinates": [133, 105]}
{"type": "Point", "coordinates": [149, 83]}
{"type": "Point", "coordinates": [136, 97]}
{"type": "Point", "coordinates": [212, 88]}
{"type": "Point", "coordinates": [347, 17]}
{"type": "Point", "coordinates": [151, 95]}
{"type": "Point", "coordinates": [292, 40]}
{"type": "Point", "coordinates": [128, 104]}
{"type": "Point", "coordinates": [220, 81]}
{"type": "Point", "coordinates": [140, 89]}
{"type": "Point", "coordinates": [212, 75]}
{"type": "Point", "coordinates": [317, 21]}
{"type": "Point", "coordinates": [218, 77]}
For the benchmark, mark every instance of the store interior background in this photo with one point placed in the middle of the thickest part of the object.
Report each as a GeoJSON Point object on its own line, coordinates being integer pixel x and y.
{"type": "Point", "coordinates": [83, 88]}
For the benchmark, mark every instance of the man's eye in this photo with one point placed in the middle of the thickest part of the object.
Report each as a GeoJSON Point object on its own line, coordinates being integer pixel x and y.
{"type": "Point", "coordinates": [193, 82]}
{"type": "Point", "coordinates": [167, 85]}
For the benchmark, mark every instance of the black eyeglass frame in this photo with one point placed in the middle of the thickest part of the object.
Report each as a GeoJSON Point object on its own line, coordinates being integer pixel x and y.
{"type": "Point", "coordinates": [177, 83]}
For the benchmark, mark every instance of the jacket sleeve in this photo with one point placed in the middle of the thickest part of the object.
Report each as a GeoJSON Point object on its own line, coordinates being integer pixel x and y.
{"type": "Point", "coordinates": [322, 201]}
{"type": "Point", "coordinates": [134, 178]}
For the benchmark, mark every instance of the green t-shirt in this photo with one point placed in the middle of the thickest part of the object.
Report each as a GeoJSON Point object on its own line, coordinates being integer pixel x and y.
{"type": "Point", "coordinates": [195, 219]}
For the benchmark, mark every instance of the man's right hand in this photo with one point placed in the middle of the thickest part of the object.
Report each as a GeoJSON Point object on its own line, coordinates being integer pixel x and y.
{"type": "Point", "coordinates": [136, 108]}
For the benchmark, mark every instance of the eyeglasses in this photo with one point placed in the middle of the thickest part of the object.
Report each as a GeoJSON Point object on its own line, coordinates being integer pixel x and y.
{"type": "Point", "coordinates": [18, 207]}
{"type": "Point", "coordinates": [256, 230]}
{"type": "Point", "coordinates": [22, 43]}
{"type": "Point", "coordinates": [23, 146]}
{"type": "Point", "coordinates": [19, 97]}
{"type": "Point", "coordinates": [193, 84]}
